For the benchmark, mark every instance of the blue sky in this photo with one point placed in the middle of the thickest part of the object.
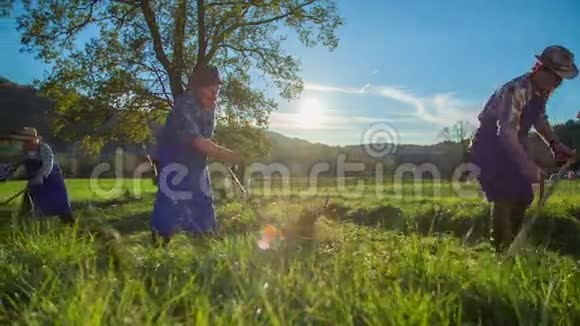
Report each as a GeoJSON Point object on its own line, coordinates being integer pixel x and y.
{"type": "Point", "coordinates": [415, 66]}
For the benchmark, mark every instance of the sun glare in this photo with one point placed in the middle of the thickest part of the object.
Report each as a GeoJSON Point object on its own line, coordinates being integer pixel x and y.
{"type": "Point", "coordinates": [310, 113]}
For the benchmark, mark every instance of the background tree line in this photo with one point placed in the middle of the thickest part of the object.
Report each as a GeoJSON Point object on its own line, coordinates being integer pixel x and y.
{"type": "Point", "coordinates": [25, 106]}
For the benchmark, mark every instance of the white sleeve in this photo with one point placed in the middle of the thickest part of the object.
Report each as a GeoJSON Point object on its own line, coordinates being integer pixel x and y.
{"type": "Point", "coordinates": [47, 157]}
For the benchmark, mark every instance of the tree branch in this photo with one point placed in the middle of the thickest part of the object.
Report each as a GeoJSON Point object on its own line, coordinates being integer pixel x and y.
{"type": "Point", "coordinates": [129, 2]}
{"type": "Point", "coordinates": [233, 3]}
{"type": "Point", "coordinates": [172, 72]}
{"type": "Point", "coordinates": [124, 17]}
{"type": "Point", "coordinates": [222, 22]}
{"type": "Point", "coordinates": [276, 18]}
{"type": "Point", "coordinates": [255, 51]}
{"type": "Point", "coordinates": [178, 39]}
{"type": "Point", "coordinates": [163, 89]}
{"type": "Point", "coordinates": [69, 32]}
{"type": "Point", "coordinates": [228, 31]}
{"type": "Point", "coordinates": [89, 5]}
{"type": "Point", "coordinates": [155, 34]}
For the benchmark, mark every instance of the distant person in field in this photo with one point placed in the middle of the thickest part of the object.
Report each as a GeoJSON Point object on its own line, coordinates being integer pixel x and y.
{"type": "Point", "coordinates": [184, 199]}
{"type": "Point", "coordinates": [46, 193]}
{"type": "Point", "coordinates": [499, 145]}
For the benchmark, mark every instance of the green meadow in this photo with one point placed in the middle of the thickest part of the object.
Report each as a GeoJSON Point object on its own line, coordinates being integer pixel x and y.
{"type": "Point", "coordinates": [354, 255]}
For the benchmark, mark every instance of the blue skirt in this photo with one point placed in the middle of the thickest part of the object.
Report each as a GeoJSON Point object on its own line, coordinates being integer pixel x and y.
{"type": "Point", "coordinates": [50, 198]}
{"type": "Point", "coordinates": [184, 200]}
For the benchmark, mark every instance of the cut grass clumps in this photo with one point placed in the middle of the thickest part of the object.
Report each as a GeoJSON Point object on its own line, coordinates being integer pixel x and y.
{"type": "Point", "coordinates": [385, 216]}
{"type": "Point", "coordinates": [237, 217]}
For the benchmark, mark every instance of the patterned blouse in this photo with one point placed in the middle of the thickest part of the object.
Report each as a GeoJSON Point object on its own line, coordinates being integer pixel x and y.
{"type": "Point", "coordinates": [505, 108]}
{"type": "Point", "coordinates": [43, 154]}
{"type": "Point", "coordinates": [187, 121]}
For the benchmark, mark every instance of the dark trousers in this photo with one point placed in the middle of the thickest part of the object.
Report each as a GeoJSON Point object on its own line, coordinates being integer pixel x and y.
{"type": "Point", "coordinates": [506, 223]}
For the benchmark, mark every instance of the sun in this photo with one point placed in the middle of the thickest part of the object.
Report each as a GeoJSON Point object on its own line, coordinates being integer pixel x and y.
{"type": "Point", "coordinates": [310, 113]}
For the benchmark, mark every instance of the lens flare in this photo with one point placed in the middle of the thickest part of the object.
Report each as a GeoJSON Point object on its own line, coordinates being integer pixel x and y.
{"type": "Point", "coordinates": [270, 234]}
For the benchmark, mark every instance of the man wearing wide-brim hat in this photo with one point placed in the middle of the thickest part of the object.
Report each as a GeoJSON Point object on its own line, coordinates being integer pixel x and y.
{"type": "Point", "coordinates": [499, 145]}
{"type": "Point", "coordinates": [46, 186]}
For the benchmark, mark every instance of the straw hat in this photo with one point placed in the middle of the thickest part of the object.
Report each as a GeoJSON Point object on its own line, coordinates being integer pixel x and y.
{"type": "Point", "coordinates": [26, 133]}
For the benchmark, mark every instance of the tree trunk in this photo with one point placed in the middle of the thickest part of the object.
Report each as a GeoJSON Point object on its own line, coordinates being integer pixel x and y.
{"type": "Point", "coordinates": [201, 37]}
{"type": "Point", "coordinates": [175, 83]}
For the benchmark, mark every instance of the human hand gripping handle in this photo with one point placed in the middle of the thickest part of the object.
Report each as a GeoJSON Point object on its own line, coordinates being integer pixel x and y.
{"type": "Point", "coordinates": [516, 152]}
{"type": "Point", "coordinates": [233, 157]}
{"type": "Point", "coordinates": [38, 180]}
{"type": "Point", "coordinates": [560, 151]}
{"type": "Point", "coordinates": [573, 159]}
{"type": "Point", "coordinates": [216, 151]}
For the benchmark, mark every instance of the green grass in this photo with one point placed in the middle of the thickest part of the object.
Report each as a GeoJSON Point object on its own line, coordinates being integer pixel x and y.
{"type": "Point", "coordinates": [389, 260]}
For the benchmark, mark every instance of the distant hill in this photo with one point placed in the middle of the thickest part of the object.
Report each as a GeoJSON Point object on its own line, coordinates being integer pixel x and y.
{"type": "Point", "coordinates": [301, 155]}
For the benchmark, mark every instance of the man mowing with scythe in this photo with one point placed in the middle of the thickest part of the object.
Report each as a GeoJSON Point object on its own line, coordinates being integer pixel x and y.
{"type": "Point", "coordinates": [499, 145]}
{"type": "Point", "coordinates": [184, 198]}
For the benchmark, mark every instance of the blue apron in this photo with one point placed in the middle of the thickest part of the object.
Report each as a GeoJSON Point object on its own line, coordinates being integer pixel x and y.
{"type": "Point", "coordinates": [50, 198]}
{"type": "Point", "coordinates": [500, 177]}
{"type": "Point", "coordinates": [184, 200]}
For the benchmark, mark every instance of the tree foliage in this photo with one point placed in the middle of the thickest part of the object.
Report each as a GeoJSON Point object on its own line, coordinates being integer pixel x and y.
{"type": "Point", "coordinates": [569, 133]}
{"type": "Point", "coordinates": [458, 132]}
{"type": "Point", "coordinates": [143, 51]}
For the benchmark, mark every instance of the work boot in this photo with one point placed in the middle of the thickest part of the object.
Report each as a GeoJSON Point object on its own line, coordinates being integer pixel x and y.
{"type": "Point", "coordinates": [518, 214]}
{"type": "Point", "coordinates": [501, 225]}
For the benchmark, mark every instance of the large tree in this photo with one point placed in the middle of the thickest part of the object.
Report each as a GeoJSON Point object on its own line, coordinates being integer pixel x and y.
{"type": "Point", "coordinates": [130, 72]}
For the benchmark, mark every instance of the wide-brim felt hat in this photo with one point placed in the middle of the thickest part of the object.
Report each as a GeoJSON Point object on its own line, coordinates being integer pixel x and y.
{"type": "Point", "coordinates": [560, 60]}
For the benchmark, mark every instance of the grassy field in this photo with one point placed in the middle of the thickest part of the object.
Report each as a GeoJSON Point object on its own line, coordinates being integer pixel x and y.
{"type": "Point", "coordinates": [354, 256]}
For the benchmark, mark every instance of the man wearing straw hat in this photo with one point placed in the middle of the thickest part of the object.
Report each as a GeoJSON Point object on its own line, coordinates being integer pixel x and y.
{"type": "Point", "coordinates": [46, 187]}
{"type": "Point", "coordinates": [499, 145]}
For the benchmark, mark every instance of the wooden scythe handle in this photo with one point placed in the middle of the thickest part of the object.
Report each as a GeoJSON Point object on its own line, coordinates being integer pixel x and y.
{"type": "Point", "coordinates": [561, 172]}
{"type": "Point", "coordinates": [567, 165]}
{"type": "Point", "coordinates": [542, 191]}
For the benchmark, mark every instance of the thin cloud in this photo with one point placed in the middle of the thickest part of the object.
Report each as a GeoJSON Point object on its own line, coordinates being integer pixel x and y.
{"type": "Point", "coordinates": [330, 121]}
{"type": "Point", "coordinates": [365, 87]}
{"type": "Point", "coordinates": [331, 89]}
{"type": "Point", "coordinates": [439, 109]}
